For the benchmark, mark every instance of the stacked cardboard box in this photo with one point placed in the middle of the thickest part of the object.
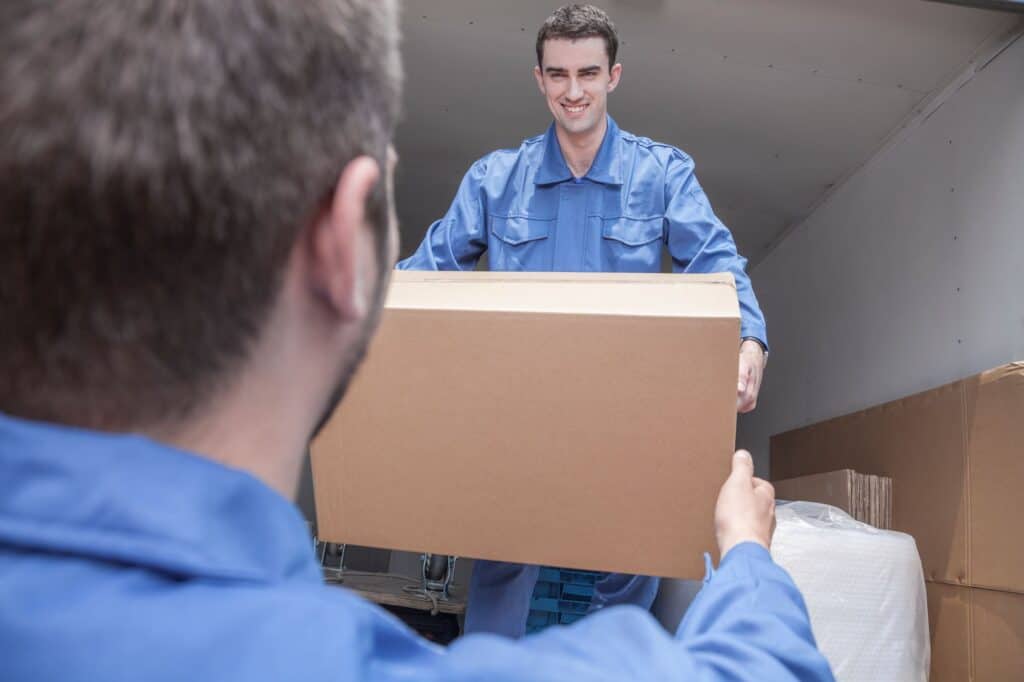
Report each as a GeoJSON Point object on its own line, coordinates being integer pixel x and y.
{"type": "Point", "coordinates": [865, 497]}
{"type": "Point", "coordinates": [956, 458]}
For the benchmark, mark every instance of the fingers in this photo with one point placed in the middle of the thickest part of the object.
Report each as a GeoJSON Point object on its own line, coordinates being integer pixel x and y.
{"type": "Point", "coordinates": [747, 401]}
{"type": "Point", "coordinates": [746, 369]}
{"type": "Point", "coordinates": [748, 388]}
{"type": "Point", "coordinates": [763, 487]}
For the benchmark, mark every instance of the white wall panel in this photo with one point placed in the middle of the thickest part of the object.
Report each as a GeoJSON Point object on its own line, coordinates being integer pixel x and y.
{"type": "Point", "coordinates": [910, 275]}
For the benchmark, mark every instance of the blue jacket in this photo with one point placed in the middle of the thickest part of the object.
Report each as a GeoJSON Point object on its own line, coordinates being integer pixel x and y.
{"type": "Point", "coordinates": [124, 559]}
{"type": "Point", "coordinates": [527, 211]}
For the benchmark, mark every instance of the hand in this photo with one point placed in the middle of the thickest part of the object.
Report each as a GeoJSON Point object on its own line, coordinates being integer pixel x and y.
{"type": "Point", "coordinates": [752, 363]}
{"type": "Point", "coordinates": [745, 511]}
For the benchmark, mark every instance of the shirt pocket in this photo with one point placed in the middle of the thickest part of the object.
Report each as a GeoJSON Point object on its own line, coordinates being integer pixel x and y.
{"type": "Point", "coordinates": [520, 243]}
{"type": "Point", "coordinates": [632, 244]}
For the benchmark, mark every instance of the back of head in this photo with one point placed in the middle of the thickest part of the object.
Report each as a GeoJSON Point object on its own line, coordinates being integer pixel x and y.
{"type": "Point", "coordinates": [158, 159]}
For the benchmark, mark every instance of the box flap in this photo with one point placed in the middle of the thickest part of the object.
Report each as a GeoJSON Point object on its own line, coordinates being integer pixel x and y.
{"type": "Point", "coordinates": [584, 293]}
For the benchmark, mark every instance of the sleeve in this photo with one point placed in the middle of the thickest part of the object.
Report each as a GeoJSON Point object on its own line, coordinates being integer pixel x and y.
{"type": "Point", "coordinates": [699, 242]}
{"type": "Point", "coordinates": [748, 623]}
{"type": "Point", "coordinates": [456, 241]}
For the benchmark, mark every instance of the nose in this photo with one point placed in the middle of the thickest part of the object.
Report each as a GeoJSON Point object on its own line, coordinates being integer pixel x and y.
{"type": "Point", "coordinates": [575, 90]}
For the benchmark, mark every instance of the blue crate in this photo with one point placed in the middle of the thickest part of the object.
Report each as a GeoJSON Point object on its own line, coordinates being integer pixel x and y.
{"type": "Point", "coordinates": [567, 576]}
{"type": "Point", "coordinates": [538, 620]}
{"type": "Point", "coordinates": [544, 604]}
{"type": "Point", "coordinates": [562, 596]}
{"type": "Point", "coordinates": [545, 590]}
{"type": "Point", "coordinates": [550, 575]}
{"type": "Point", "coordinates": [580, 577]}
{"type": "Point", "coordinates": [570, 606]}
{"type": "Point", "coordinates": [577, 592]}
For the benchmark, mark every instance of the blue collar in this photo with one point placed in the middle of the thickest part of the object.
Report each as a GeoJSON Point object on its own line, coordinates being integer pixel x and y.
{"type": "Point", "coordinates": [127, 499]}
{"type": "Point", "coordinates": [606, 169]}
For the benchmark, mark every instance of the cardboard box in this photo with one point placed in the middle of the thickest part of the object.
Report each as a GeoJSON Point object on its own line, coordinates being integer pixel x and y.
{"type": "Point", "coordinates": [977, 634]}
{"type": "Point", "coordinates": [956, 458]}
{"type": "Point", "coordinates": [584, 421]}
{"type": "Point", "coordinates": [865, 497]}
{"type": "Point", "coordinates": [833, 487]}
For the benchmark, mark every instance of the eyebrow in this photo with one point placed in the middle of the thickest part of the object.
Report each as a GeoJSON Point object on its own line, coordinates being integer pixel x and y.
{"type": "Point", "coordinates": [583, 70]}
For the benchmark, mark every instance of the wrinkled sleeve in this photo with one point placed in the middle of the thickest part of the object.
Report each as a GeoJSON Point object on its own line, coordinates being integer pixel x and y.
{"type": "Point", "coordinates": [698, 241]}
{"type": "Point", "coordinates": [748, 623]}
{"type": "Point", "coordinates": [456, 241]}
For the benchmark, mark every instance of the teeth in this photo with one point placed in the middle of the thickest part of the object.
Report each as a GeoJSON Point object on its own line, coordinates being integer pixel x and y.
{"type": "Point", "coordinates": [575, 110]}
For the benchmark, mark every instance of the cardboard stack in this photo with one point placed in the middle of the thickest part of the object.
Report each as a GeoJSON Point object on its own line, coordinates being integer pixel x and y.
{"type": "Point", "coordinates": [956, 458]}
{"type": "Point", "coordinates": [865, 497]}
{"type": "Point", "coordinates": [584, 421]}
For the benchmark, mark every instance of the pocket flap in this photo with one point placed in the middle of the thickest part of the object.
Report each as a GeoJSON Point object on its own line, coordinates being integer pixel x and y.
{"type": "Point", "coordinates": [632, 232]}
{"type": "Point", "coordinates": [516, 230]}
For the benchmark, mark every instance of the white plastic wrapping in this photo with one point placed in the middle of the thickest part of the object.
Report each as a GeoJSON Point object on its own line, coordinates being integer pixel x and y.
{"type": "Point", "coordinates": [864, 590]}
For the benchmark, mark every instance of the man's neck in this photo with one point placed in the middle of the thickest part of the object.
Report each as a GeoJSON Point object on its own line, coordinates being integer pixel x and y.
{"type": "Point", "coordinates": [580, 150]}
{"type": "Point", "coordinates": [245, 433]}
{"type": "Point", "coordinates": [260, 419]}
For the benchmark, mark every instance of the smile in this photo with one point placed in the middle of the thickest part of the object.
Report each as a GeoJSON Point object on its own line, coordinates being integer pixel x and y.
{"type": "Point", "coordinates": [575, 109]}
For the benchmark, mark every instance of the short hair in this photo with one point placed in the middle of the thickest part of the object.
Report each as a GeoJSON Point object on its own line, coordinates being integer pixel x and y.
{"type": "Point", "coordinates": [158, 162]}
{"type": "Point", "coordinates": [574, 22]}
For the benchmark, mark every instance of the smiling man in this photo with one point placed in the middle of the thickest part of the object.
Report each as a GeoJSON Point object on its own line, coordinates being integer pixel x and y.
{"type": "Point", "coordinates": [586, 196]}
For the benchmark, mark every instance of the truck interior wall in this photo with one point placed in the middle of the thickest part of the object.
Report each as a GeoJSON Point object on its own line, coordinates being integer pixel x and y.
{"type": "Point", "coordinates": [910, 274]}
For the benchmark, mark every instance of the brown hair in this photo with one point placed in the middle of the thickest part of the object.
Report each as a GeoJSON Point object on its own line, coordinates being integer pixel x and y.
{"type": "Point", "coordinates": [158, 160]}
{"type": "Point", "coordinates": [575, 22]}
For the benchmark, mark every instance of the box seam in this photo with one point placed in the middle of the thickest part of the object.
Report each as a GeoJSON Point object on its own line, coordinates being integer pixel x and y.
{"type": "Point", "coordinates": [965, 444]}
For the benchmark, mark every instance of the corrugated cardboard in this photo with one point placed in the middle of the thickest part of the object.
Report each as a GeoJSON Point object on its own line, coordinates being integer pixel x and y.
{"type": "Point", "coordinates": [996, 471]}
{"type": "Point", "coordinates": [575, 420]}
{"type": "Point", "coordinates": [833, 487]}
{"type": "Point", "coordinates": [955, 456]}
{"type": "Point", "coordinates": [977, 634]}
{"type": "Point", "coordinates": [865, 497]}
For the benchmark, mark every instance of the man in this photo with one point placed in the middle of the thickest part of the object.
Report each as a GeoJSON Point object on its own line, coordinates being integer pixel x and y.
{"type": "Point", "coordinates": [196, 230]}
{"type": "Point", "coordinates": [584, 196]}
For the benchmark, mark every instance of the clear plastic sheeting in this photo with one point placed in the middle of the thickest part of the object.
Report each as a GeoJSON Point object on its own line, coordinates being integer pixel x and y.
{"type": "Point", "coordinates": [864, 589]}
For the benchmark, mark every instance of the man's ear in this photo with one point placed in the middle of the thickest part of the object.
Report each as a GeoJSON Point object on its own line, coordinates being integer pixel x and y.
{"type": "Point", "coordinates": [338, 249]}
{"type": "Point", "coordinates": [616, 74]}
{"type": "Point", "coordinates": [540, 79]}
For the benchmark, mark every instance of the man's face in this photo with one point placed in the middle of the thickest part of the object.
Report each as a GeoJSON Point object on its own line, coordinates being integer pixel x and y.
{"type": "Point", "coordinates": [575, 80]}
{"type": "Point", "coordinates": [389, 251]}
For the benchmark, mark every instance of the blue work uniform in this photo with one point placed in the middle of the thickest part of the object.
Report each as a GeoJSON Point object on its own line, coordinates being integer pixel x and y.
{"type": "Point", "coordinates": [125, 559]}
{"type": "Point", "coordinates": [527, 211]}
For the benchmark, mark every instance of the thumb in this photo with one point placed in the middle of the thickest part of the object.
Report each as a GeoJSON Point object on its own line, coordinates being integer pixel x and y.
{"type": "Point", "coordinates": [743, 464]}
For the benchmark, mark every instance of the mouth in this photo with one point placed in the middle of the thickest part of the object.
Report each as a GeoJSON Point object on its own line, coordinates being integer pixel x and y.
{"type": "Point", "coordinates": [575, 109]}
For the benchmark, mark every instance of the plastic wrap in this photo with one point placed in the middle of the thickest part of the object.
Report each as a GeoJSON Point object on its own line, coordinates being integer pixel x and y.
{"type": "Point", "coordinates": [864, 590]}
